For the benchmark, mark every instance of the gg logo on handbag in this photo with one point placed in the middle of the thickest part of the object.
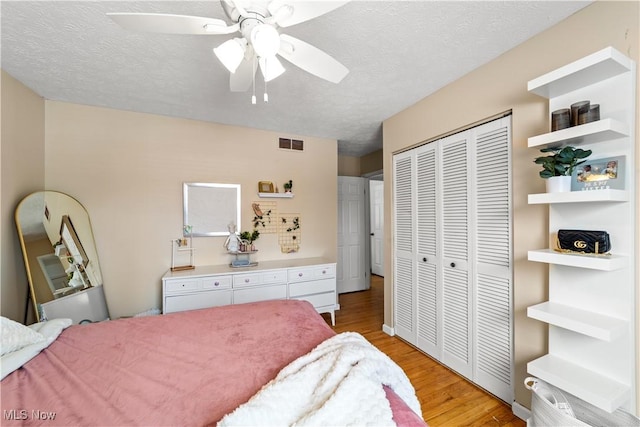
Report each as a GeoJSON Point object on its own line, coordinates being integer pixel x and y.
{"type": "Point", "coordinates": [580, 244]}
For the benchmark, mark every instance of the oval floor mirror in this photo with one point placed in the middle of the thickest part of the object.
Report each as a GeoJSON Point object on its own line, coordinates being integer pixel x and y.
{"type": "Point", "coordinates": [60, 258]}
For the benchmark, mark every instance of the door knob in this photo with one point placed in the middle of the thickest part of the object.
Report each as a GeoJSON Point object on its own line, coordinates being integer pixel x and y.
{"type": "Point", "coordinates": [453, 264]}
{"type": "Point", "coordinates": [373, 234]}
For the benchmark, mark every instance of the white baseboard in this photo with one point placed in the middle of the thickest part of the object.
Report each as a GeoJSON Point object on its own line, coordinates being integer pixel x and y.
{"type": "Point", "coordinates": [520, 411]}
{"type": "Point", "coordinates": [388, 330]}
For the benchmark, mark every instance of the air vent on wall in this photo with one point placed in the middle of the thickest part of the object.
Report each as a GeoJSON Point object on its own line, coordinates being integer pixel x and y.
{"type": "Point", "coordinates": [291, 144]}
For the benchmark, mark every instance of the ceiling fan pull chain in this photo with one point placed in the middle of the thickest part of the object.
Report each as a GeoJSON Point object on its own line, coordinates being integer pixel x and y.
{"type": "Point", "coordinates": [266, 96]}
{"type": "Point", "coordinates": [253, 97]}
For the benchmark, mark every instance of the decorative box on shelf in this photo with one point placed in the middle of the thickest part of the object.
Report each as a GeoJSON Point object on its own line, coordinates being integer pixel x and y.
{"type": "Point", "coordinates": [243, 259]}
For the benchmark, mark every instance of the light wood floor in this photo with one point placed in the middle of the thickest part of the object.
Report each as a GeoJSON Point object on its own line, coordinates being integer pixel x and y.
{"type": "Point", "coordinates": [447, 399]}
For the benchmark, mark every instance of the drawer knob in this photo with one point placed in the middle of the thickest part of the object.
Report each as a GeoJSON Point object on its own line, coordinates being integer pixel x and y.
{"type": "Point", "coordinates": [216, 284]}
{"type": "Point", "coordinates": [453, 265]}
{"type": "Point", "coordinates": [324, 271]}
{"type": "Point", "coordinates": [299, 274]}
{"type": "Point", "coordinates": [246, 280]}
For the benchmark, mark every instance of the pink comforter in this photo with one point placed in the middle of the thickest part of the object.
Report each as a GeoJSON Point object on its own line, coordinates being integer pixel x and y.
{"type": "Point", "coordinates": [188, 368]}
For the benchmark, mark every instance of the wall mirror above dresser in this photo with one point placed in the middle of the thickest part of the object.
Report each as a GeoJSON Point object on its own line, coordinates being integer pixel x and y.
{"type": "Point", "coordinates": [60, 258]}
{"type": "Point", "coordinates": [209, 208]}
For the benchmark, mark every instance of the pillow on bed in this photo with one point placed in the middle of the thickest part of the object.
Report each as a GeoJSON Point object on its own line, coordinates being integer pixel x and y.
{"type": "Point", "coordinates": [16, 336]}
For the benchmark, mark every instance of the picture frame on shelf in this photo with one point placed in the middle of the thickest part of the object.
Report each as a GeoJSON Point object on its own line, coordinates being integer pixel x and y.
{"type": "Point", "coordinates": [599, 174]}
{"type": "Point", "coordinates": [265, 187]}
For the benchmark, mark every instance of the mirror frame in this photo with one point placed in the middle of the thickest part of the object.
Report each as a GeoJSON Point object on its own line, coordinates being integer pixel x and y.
{"type": "Point", "coordinates": [209, 208]}
{"type": "Point", "coordinates": [52, 214]}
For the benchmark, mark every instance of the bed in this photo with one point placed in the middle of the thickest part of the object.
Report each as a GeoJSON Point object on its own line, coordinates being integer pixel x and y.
{"type": "Point", "coordinates": [187, 368]}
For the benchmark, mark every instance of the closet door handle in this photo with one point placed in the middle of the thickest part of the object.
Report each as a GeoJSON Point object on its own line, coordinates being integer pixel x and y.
{"type": "Point", "coordinates": [453, 264]}
{"type": "Point", "coordinates": [424, 259]}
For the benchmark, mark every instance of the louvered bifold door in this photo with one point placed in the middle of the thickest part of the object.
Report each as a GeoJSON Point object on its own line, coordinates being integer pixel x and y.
{"type": "Point", "coordinates": [456, 292]}
{"type": "Point", "coordinates": [493, 270]}
{"type": "Point", "coordinates": [404, 299]}
{"type": "Point", "coordinates": [427, 292]}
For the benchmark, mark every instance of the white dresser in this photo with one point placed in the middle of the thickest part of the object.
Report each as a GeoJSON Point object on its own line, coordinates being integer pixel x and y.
{"type": "Point", "coordinates": [85, 306]}
{"type": "Point", "coordinates": [309, 279]}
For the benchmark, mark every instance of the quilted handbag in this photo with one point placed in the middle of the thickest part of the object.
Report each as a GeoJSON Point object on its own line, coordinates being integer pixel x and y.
{"type": "Point", "coordinates": [584, 241]}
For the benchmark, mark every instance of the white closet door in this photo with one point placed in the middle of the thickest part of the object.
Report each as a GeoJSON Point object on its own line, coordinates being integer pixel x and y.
{"type": "Point", "coordinates": [493, 308]}
{"type": "Point", "coordinates": [457, 305]}
{"type": "Point", "coordinates": [427, 292]}
{"type": "Point", "coordinates": [404, 301]}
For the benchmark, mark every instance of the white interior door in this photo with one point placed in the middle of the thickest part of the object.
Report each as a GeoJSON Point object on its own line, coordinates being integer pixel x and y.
{"type": "Point", "coordinates": [353, 265]}
{"type": "Point", "coordinates": [376, 201]}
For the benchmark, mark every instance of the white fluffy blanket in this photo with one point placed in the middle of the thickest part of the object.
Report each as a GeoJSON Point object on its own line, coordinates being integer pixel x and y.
{"type": "Point", "coordinates": [49, 330]}
{"type": "Point", "coordinates": [338, 383]}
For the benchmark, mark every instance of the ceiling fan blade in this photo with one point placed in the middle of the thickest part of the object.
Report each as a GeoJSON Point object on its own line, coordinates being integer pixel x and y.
{"type": "Point", "coordinates": [241, 80]}
{"type": "Point", "coordinates": [171, 24]}
{"type": "Point", "coordinates": [295, 12]}
{"type": "Point", "coordinates": [311, 59]}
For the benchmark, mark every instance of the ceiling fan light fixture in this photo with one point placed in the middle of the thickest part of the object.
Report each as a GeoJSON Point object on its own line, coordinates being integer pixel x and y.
{"type": "Point", "coordinates": [265, 40]}
{"type": "Point", "coordinates": [231, 53]}
{"type": "Point", "coordinates": [270, 67]}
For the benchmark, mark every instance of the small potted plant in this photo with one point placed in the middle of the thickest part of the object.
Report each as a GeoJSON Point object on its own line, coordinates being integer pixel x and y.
{"type": "Point", "coordinates": [248, 237]}
{"type": "Point", "coordinates": [558, 166]}
{"type": "Point", "coordinates": [288, 186]}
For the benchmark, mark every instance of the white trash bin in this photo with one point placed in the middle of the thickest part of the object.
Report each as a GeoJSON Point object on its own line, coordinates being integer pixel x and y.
{"type": "Point", "coordinates": [551, 407]}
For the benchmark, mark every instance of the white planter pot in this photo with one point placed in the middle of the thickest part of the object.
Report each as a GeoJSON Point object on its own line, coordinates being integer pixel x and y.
{"type": "Point", "coordinates": [558, 184]}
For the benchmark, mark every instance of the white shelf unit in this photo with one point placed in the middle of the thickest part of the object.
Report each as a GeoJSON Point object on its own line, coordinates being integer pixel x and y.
{"type": "Point", "coordinates": [607, 195]}
{"type": "Point", "coordinates": [595, 325]}
{"type": "Point", "coordinates": [599, 390]}
{"type": "Point", "coordinates": [276, 195]}
{"type": "Point", "coordinates": [588, 133]}
{"type": "Point", "coordinates": [586, 71]}
{"type": "Point", "coordinates": [591, 308]}
{"type": "Point", "coordinates": [594, 262]}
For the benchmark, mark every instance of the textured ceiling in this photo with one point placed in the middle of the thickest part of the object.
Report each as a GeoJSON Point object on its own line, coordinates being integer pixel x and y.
{"type": "Point", "coordinates": [397, 52]}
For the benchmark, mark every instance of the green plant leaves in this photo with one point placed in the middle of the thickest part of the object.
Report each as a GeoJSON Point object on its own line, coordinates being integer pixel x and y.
{"type": "Point", "coordinates": [562, 162]}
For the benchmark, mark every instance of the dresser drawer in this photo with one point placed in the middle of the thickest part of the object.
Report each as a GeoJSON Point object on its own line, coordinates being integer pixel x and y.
{"type": "Point", "coordinates": [261, 293]}
{"type": "Point", "coordinates": [320, 300]}
{"type": "Point", "coordinates": [216, 282]}
{"type": "Point", "coordinates": [311, 273]}
{"type": "Point", "coordinates": [313, 287]}
{"type": "Point", "coordinates": [196, 301]}
{"type": "Point", "coordinates": [262, 278]}
{"type": "Point", "coordinates": [182, 285]}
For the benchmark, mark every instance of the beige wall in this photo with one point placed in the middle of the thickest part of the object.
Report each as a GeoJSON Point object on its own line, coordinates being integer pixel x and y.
{"type": "Point", "coordinates": [360, 166]}
{"type": "Point", "coordinates": [371, 162]}
{"type": "Point", "coordinates": [497, 87]}
{"type": "Point", "coordinates": [348, 166]}
{"type": "Point", "coordinates": [22, 160]}
{"type": "Point", "coordinates": [127, 169]}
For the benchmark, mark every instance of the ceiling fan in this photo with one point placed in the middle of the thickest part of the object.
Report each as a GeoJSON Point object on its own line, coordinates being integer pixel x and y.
{"type": "Point", "coordinates": [260, 43]}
